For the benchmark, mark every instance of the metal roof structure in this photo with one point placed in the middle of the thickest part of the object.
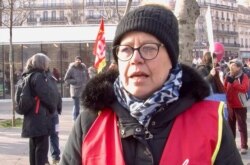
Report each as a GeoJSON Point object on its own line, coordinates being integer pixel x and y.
{"type": "Point", "coordinates": [55, 34]}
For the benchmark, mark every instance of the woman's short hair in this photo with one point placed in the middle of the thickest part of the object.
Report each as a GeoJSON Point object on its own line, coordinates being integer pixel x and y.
{"type": "Point", "coordinates": [38, 61]}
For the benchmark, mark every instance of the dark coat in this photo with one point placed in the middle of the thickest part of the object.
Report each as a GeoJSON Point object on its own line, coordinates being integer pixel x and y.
{"type": "Point", "coordinates": [54, 81]}
{"type": "Point", "coordinates": [233, 89]}
{"type": "Point", "coordinates": [40, 124]}
{"type": "Point", "coordinates": [214, 81]}
{"type": "Point", "coordinates": [76, 77]}
{"type": "Point", "coordinates": [136, 150]}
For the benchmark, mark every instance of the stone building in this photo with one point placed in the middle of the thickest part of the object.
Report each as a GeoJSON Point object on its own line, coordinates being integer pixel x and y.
{"type": "Point", "coordinates": [224, 24]}
{"type": "Point", "coordinates": [244, 31]}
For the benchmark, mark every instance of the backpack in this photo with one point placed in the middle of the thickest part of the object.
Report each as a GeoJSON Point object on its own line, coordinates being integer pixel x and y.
{"type": "Point", "coordinates": [24, 100]}
{"type": "Point", "coordinates": [244, 97]}
{"type": "Point", "coordinates": [246, 70]}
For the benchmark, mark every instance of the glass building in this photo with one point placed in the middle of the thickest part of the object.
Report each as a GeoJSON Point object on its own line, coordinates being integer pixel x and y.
{"type": "Point", "coordinates": [61, 44]}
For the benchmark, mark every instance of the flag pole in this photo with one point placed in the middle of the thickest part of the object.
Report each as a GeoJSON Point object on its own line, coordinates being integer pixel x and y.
{"type": "Point", "coordinates": [210, 32]}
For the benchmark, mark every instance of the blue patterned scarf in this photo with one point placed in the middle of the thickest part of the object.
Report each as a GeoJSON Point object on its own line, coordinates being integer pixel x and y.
{"type": "Point", "coordinates": [143, 110]}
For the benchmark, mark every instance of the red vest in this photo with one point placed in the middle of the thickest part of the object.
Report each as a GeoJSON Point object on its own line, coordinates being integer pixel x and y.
{"type": "Point", "coordinates": [195, 138]}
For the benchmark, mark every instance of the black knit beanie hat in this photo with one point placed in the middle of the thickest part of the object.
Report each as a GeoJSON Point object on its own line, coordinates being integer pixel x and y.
{"type": "Point", "coordinates": [155, 20]}
{"type": "Point", "coordinates": [78, 58]}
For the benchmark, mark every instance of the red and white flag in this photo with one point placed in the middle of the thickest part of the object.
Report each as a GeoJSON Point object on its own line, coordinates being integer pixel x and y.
{"type": "Point", "coordinates": [99, 49]}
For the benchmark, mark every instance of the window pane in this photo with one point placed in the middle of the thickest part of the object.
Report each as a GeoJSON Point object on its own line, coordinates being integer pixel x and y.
{"type": "Point", "coordinates": [69, 51]}
{"type": "Point", "coordinates": [53, 52]}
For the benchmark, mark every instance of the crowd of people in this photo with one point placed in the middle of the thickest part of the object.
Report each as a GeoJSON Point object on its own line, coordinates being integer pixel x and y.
{"type": "Point", "coordinates": [147, 107]}
{"type": "Point", "coordinates": [231, 80]}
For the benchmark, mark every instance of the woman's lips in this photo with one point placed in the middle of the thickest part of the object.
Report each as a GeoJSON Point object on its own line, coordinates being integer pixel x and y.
{"type": "Point", "coordinates": [138, 74]}
{"type": "Point", "coordinates": [138, 78]}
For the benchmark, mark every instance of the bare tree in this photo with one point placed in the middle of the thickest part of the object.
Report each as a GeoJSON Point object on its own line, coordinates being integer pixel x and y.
{"type": "Point", "coordinates": [112, 10]}
{"type": "Point", "coordinates": [1, 10]}
{"type": "Point", "coordinates": [19, 9]}
{"type": "Point", "coordinates": [117, 10]}
{"type": "Point", "coordinates": [186, 11]}
{"type": "Point", "coordinates": [119, 13]}
{"type": "Point", "coordinates": [128, 6]}
{"type": "Point", "coordinates": [14, 11]}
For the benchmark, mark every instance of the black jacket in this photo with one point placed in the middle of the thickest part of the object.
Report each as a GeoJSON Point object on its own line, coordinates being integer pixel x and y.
{"type": "Point", "coordinates": [53, 81]}
{"type": "Point", "coordinates": [214, 81]}
{"type": "Point", "coordinates": [40, 124]}
{"type": "Point", "coordinates": [136, 149]}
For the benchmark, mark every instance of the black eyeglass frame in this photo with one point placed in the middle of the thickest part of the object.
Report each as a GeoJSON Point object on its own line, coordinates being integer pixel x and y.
{"type": "Point", "coordinates": [138, 49]}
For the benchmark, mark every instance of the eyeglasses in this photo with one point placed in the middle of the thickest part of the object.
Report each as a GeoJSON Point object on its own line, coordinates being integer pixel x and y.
{"type": "Point", "coordinates": [146, 51]}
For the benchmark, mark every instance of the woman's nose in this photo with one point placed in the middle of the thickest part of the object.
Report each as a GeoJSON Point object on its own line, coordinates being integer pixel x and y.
{"type": "Point", "coordinates": [137, 58]}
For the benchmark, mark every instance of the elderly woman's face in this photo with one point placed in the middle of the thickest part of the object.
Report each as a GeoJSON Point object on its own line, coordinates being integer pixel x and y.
{"type": "Point", "coordinates": [141, 77]}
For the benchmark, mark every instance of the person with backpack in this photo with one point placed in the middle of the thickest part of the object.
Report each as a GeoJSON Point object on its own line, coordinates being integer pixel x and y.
{"type": "Point", "coordinates": [237, 83]}
{"type": "Point", "coordinates": [37, 123]}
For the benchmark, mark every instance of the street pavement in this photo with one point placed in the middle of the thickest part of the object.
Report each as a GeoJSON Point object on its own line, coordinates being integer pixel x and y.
{"type": "Point", "coordinates": [14, 150]}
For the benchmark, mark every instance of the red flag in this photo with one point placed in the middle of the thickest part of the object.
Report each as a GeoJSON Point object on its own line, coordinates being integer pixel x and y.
{"type": "Point", "coordinates": [99, 49]}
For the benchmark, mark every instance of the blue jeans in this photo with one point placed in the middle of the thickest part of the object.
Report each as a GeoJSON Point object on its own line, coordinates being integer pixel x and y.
{"type": "Point", "coordinates": [76, 107]}
{"type": "Point", "coordinates": [54, 139]}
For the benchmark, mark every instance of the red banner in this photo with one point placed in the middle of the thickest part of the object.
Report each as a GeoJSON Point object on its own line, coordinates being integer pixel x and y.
{"type": "Point", "coordinates": [99, 49]}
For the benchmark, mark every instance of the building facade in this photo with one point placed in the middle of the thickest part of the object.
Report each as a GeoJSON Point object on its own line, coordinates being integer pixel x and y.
{"type": "Point", "coordinates": [224, 24]}
{"type": "Point", "coordinates": [244, 31]}
{"type": "Point", "coordinates": [67, 12]}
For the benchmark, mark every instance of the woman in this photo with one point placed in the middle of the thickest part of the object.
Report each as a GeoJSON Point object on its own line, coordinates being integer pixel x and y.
{"type": "Point", "coordinates": [152, 112]}
{"type": "Point", "coordinates": [210, 70]}
{"type": "Point", "coordinates": [37, 121]}
{"type": "Point", "coordinates": [236, 84]}
{"type": "Point", "coordinates": [92, 71]}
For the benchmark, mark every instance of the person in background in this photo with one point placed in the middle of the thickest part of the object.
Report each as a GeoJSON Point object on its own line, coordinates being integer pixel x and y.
{"type": "Point", "coordinates": [152, 109]}
{"type": "Point", "coordinates": [56, 74]}
{"type": "Point", "coordinates": [92, 71]}
{"type": "Point", "coordinates": [209, 69]}
{"type": "Point", "coordinates": [77, 77]}
{"type": "Point", "coordinates": [211, 72]}
{"type": "Point", "coordinates": [237, 82]}
{"type": "Point", "coordinates": [37, 122]}
{"type": "Point", "coordinates": [195, 61]}
{"type": "Point", "coordinates": [199, 59]}
{"type": "Point", "coordinates": [18, 75]}
{"type": "Point", "coordinates": [54, 136]}
{"type": "Point", "coordinates": [7, 79]}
